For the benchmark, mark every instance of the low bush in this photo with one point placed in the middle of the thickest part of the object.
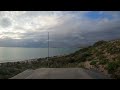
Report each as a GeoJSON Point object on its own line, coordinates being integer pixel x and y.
{"type": "Point", "coordinates": [94, 62]}
{"type": "Point", "coordinates": [112, 66]}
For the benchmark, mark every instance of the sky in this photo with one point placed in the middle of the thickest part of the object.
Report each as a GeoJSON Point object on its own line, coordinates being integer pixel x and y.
{"type": "Point", "coordinates": [66, 28]}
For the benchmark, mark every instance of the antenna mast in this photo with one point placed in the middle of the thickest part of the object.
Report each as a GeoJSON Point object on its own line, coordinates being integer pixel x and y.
{"type": "Point", "coordinates": [48, 45]}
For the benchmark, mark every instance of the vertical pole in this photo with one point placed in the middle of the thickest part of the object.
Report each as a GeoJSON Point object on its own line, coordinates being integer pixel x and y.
{"type": "Point", "coordinates": [48, 49]}
{"type": "Point", "coordinates": [48, 45]}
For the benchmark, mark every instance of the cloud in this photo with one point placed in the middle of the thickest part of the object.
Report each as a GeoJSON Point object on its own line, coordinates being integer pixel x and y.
{"type": "Point", "coordinates": [66, 28]}
{"type": "Point", "coordinates": [5, 22]}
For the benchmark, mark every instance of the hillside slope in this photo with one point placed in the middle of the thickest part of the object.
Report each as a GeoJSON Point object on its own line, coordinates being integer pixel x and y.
{"type": "Point", "coordinates": [103, 56]}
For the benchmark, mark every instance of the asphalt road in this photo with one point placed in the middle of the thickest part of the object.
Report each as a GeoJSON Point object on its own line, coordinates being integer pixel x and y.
{"type": "Point", "coordinates": [60, 73]}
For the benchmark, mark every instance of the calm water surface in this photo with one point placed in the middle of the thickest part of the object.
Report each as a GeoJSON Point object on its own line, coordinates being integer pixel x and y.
{"type": "Point", "coordinates": [8, 54]}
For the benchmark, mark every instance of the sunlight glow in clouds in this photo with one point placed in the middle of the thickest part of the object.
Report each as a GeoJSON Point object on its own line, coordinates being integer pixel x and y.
{"type": "Point", "coordinates": [67, 28]}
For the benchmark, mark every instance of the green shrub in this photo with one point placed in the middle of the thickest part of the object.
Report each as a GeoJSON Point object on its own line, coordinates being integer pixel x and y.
{"type": "Point", "coordinates": [94, 62]}
{"type": "Point", "coordinates": [113, 49]}
{"type": "Point", "coordinates": [84, 49]}
{"type": "Point", "coordinates": [99, 43]}
{"type": "Point", "coordinates": [103, 61]}
{"type": "Point", "coordinates": [112, 66]}
{"type": "Point", "coordinates": [84, 56]}
{"type": "Point", "coordinates": [98, 54]}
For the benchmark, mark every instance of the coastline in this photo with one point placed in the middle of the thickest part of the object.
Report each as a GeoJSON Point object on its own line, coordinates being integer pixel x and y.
{"type": "Point", "coordinates": [92, 57]}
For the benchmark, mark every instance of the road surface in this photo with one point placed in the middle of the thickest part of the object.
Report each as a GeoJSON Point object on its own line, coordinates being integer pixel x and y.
{"type": "Point", "coordinates": [60, 73]}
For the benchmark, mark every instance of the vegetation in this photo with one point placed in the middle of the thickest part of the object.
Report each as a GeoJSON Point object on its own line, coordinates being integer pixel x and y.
{"type": "Point", "coordinates": [112, 66]}
{"type": "Point", "coordinates": [102, 53]}
{"type": "Point", "coordinates": [103, 61]}
{"type": "Point", "coordinates": [93, 62]}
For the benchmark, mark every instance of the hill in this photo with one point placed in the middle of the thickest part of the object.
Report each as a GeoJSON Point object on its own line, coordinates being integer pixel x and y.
{"type": "Point", "coordinates": [103, 56]}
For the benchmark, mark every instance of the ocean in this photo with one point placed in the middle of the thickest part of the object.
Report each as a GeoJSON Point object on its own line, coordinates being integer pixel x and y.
{"type": "Point", "coordinates": [14, 54]}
